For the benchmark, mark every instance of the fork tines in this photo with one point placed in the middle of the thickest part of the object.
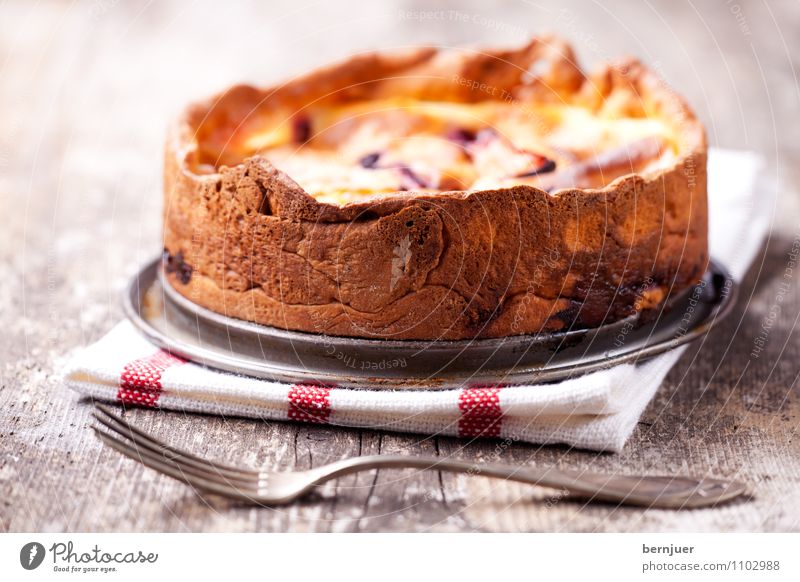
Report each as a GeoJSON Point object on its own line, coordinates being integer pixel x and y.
{"type": "Point", "coordinates": [202, 474]}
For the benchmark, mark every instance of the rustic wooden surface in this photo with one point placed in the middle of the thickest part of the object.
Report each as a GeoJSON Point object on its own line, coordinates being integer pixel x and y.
{"type": "Point", "coordinates": [85, 92]}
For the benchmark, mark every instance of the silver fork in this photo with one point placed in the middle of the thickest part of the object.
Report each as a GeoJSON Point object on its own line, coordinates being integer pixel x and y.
{"type": "Point", "coordinates": [269, 488]}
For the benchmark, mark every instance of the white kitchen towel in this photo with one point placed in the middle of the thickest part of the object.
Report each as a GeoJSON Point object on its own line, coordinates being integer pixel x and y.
{"type": "Point", "coordinates": [596, 411]}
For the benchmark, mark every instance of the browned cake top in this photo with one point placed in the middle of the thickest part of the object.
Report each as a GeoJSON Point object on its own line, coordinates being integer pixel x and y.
{"type": "Point", "coordinates": [542, 124]}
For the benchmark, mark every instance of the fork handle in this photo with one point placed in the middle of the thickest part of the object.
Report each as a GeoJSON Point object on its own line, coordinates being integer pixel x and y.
{"type": "Point", "coordinates": [649, 491]}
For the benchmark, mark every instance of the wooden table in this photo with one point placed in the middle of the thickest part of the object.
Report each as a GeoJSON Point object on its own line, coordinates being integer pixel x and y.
{"type": "Point", "coordinates": [85, 93]}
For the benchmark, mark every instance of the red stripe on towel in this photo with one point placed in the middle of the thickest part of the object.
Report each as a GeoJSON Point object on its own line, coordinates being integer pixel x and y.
{"type": "Point", "coordinates": [140, 381]}
{"type": "Point", "coordinates": [480, 412]}
{"type": "Point", "coordinates": [309, 403]}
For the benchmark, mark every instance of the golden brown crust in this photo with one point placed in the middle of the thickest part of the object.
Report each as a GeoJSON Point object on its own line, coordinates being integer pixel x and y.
{"type": "Point", "coordinates": [247, 241]}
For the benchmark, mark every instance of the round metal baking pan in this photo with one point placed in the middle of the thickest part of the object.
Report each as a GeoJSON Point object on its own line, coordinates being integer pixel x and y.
{"type": "Point", "coordinates": [174, 323]}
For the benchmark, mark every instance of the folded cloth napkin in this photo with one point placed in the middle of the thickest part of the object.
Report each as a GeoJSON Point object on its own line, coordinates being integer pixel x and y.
{"type": "Point", "coordinates": [596, 411]}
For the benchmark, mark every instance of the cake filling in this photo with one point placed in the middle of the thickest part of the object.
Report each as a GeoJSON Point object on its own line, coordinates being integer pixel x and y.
{"type": "Point", "coordinates": [340, 154]}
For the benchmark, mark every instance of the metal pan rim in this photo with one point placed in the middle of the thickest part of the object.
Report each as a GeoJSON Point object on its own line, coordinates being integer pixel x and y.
{"type": "Point", "coordinates": [189, 338]}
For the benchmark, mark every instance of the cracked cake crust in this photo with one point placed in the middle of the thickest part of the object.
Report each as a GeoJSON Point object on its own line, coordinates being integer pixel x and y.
{"type": "Point", "coordinates": [244, 239]}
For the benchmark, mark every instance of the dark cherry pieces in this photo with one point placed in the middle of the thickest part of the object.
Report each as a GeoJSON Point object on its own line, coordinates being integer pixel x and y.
{"type": "Point", "coordinates": [546, 165]}
{"type": "Point", "coordinates": [498, 154]}
{"type": "Point", "coordinates": [176, 264]}
{"type": "Point", "coordinates": [461, 135]}
{"type": "Point", "coordinates": [301, 129]}
{"type": "Point", "coordinates": [370, 161]}
{"type": "Point", "coordinates": [409, 180]}
{"type": "Point", "coordinates": [475, 144]}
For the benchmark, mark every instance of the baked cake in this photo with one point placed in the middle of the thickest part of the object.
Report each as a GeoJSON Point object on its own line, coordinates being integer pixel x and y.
{"type": "Point", "coordinates": [430, 194]}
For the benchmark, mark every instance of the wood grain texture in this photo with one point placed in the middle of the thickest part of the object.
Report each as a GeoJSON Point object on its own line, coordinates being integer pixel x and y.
{"type": "Point", "coordinates": [86, 92]}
